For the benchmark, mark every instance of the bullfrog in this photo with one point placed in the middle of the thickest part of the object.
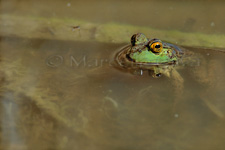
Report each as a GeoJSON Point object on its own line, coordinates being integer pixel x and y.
{"type": "Point", "coordinates": [149, 54]}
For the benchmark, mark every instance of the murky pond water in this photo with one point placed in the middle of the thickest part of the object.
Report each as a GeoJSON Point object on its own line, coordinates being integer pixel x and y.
{"type": "Point", "coordinates": [67, 95]}
{"type": "Point", "coordinates": [59, 93]}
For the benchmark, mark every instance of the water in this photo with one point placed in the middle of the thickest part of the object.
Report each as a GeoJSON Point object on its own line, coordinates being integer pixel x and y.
{"type": "Point", "coordinates": [50, 102]}
{"type": "Point", "coordinates": [66, 94]}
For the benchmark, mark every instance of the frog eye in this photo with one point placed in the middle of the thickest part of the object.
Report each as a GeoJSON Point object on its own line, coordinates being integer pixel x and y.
{"type": "Point", "coordinates": [156, 47]}
{"type": "Point", "coordinates": [138, 39]}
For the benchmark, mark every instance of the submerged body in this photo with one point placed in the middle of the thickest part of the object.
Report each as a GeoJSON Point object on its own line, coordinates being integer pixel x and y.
{"type": "Point", "coordinates": [149, 54]}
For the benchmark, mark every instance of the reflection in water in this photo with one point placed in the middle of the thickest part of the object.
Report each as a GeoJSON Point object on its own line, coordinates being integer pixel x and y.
{"type": "Point", "coordinates": [64, 106]}
{"type": "Point", "coordinates": [10, 136]}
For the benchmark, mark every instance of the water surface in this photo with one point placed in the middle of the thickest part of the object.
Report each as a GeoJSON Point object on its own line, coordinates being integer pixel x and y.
{"type": "Point", "coordinates": [60, 89]}
{"type": "Point", "coordinates": [57, 95]}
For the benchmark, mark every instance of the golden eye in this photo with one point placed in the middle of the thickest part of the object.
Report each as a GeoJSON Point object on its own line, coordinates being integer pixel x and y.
{"type": "Point", "coordinates": [156, 47]}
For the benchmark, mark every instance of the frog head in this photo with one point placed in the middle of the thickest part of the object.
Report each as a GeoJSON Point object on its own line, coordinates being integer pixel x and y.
{"type": "Point", "coordinates": [152, 51]}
